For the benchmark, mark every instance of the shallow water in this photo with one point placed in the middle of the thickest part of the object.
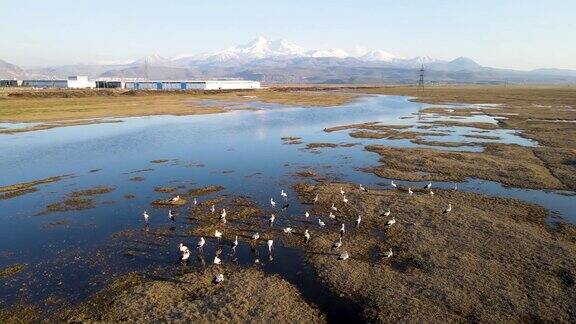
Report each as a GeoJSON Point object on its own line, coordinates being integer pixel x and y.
{"type": "Point", "coordinates": [71, 254]}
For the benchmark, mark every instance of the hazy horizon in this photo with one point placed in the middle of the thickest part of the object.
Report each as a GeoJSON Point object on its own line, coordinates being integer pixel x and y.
{"type": "Point", "coordinates": [514, 34]}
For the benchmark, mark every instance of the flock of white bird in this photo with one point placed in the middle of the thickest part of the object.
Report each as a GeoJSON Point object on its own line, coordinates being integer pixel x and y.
{"type": "Point", "coordinates": [185, 251]}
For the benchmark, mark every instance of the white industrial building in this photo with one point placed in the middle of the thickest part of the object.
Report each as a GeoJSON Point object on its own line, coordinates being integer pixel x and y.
{"type": "Point", "coordinates": [192, 85]}
{"type": "Point", "coordinates": [82, 82]}
{"type": "Point", "coordinates": [73, 82]}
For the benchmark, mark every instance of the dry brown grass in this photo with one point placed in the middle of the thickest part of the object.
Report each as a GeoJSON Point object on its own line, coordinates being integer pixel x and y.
{"type": "Point", "coordinates": [489, 260]}
{"type": "Point", "coordinates": [496, 164]}
{"type": "Point", "coordinates": [77, 200]}
{"type": "Point", "coordinates": [19, 189]}
{"type": "Point", "coordinates": [11, 270]}
{"type": "Point", "coordinates": [546, 114]}
{"type": "Point", "coordinates": [204, 190]}
{"type": "Point", "coordinates": [59, 106]}
{"type": "Point", "coordinates": [247, 295]}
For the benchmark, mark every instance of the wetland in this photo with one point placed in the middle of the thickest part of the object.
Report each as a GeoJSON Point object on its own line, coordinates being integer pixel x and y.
{"type": "Point", "coordinates": [75, 246]}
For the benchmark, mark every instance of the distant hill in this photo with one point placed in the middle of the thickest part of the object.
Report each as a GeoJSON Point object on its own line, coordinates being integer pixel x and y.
{"type": "Point", "coordinates": [279, 61]}
{"type": "Point", "coordinates": [11, 71]}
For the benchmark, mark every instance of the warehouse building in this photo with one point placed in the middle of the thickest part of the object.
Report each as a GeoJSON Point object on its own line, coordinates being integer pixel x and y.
{"type": "Point", "coordinates": [73, 82]}
{"type": "Point", "coordinates": [10, 83]}
{"type": "Point", "coordinates": [192, 85]}
{"type": "Point", "coordinates": [82, 82]}
{"type": "Point", "coordinates": [109, 84]}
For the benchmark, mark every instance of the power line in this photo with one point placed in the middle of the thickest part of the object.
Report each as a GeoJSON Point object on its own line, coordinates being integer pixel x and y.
{"type": "Point", "coordinates": [421, 79]}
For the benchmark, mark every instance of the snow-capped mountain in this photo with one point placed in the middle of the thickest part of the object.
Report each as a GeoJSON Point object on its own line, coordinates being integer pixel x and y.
{"type": "Point", "coordinates": [279, 61]}
{"type": "Point", "coordinates": [258, 49]}
{"type": "Point", "coordinates": [379, 55]}
{"type": "Point", "coordinates": [331, 52]}
{"type": "Point", "coordinates": [153, 59]}
{"type": "Point", "coordinates": [261, 48]}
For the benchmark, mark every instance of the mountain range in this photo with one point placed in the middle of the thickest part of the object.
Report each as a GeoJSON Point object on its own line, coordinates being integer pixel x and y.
{"type": "Point", "coordinates": [279, 61]}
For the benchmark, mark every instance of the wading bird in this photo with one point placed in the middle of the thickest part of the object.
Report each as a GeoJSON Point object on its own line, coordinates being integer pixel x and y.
{"type": "Point", "coordinates": [288, 230]}
{"type": "Point", "coordinates": [235, 243]}
{"type": "Point", "coordinates": [307, 235]}
{"type": "Point", "coordinates": [342, 191]}
{"type": "Point", "coordinates": [391, 222]}
{"type": "Point", "coordinates": [182, 247]}
{"type": "Point", "coordinates": [217, 260]}
{"type": "Point", "coordinates": [256, 236]}
{"type": "Point", "coordinates": [455, 186]}
{"type": "Point", "coordinates": [387, 213]}
{"type": "Point", "coordinates": [306, 214]}
{"type": "Point", "coordinates": [363, 189]}
{"type": "Point", "coordinates": [337, 244]}
{"type": "Point", "coordinates": [185, 254]}
{"type": "Point", "coordinates": [342, 230]}
{"type": "Point", "coordinates": [201, 243]}
{"type": "Point", "coordinates": [388, 254]}
{"type": "Point", "coordinates": [448, 209]}
{"type": "Point", "coordinates": [219, 278]}
{"type": "Point", "coordinates": [195, 202]}
{"type": "Point", "coordinates": [410, 192]}
{"type": "Point", "coordinates": [344, 199]}
{"type": "Point", "coordinates": [223, 216]}
{"type": "Point", "coordinates": [284, 194]}
{"type": "Point", "coordinates": [171, 215]}
{"type": "Point", "coordinates": [358, 220]}
{"type": "Point", "coordinates": [316, 198]}
{"type": "Point", "coordinates": [431, 193]}
{"type": "Point", "coordinates": [174, 199]}
{"type": "Point", "coordinates": [332, 216]}
{"type": "Point", "coordinates": [218, 234]}
{"type": "Point", "coordinates": [321, 223]}
{"type": "Point", "coordinates": [146, 216]}
{"type": "Point", "coordinates": [273, 203]}
{"type": "Point", "coordinates": [271, 220]}
{"type": "Point", "coordinates": [344, 256]}
{"type": "Point", "coordinates": [333, 207]}
{"type": "Point", "coordinates": [213, 209]}
{"type": "Point", "coordinates": [270, 242]}
{"type": "Point", "coordinates": [393, 184]}
{"type": "Point", "coordinates": [428, 186]}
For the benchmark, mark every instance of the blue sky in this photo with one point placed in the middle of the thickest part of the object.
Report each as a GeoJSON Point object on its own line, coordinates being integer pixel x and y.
{"type": "Point", "coordinates": [506, 33]}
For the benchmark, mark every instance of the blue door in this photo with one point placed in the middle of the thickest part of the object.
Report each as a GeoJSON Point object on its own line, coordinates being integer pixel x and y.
{"type": "Point", "coordinates": [159, 85]}
{"type": "Point", "coordinates": [183, 85]}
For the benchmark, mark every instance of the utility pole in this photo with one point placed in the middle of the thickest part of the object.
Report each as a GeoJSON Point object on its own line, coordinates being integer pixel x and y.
{"type": "Point", "coordinates": [421, 88]}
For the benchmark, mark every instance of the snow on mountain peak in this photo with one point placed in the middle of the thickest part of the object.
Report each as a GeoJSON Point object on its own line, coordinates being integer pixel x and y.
{"type": "Point", "coordinates": [331, 52]}
{"type": "Point", "coordinates": [259, 48]}
{"type": "Point", "coordinates": [262, 47]}
{"type": "Point", "coordinates": [378, 55]}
